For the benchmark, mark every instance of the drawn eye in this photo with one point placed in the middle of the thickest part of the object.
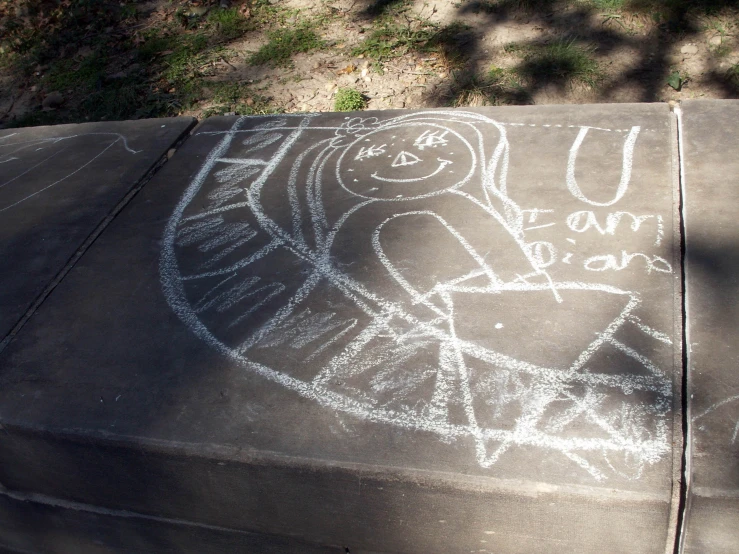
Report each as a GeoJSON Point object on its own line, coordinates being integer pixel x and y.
{"type": "Point", "coordinates": [431, 138]}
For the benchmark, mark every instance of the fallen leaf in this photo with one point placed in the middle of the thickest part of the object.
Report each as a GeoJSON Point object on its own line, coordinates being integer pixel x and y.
{"type": "Point", "coordinates": [675, 80]}
{"type": "Point", "coordinates": [348, 69]}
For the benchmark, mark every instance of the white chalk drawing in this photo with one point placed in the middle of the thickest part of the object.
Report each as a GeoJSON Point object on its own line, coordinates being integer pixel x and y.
{"type": "Point", "coordinates": [731, 402]}
{"type": "Point", "coordinates": [381, 268]}
{"type": "Point", "coordinates": [12, 150]}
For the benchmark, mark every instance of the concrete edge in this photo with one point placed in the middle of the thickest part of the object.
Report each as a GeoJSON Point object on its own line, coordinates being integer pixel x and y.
{"type": "Point", "coordinates": [228, 454]}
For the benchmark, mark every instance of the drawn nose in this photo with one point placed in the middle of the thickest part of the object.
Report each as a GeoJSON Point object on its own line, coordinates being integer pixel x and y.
{"type": "Point", "coordinates": [405, 158]}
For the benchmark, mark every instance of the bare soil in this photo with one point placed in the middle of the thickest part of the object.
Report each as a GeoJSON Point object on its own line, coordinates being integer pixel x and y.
{"type": "Point", "coordinates": [643, 54]}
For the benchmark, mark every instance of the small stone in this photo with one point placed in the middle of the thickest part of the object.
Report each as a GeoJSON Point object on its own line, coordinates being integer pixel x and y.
{"type": "Point", "coordinates": [715, 41]}
{"type": "Point", "coordinates": [329, 86]}
{"type": "Point", "coordinates": [364, 72]}
{"type": "Point", "coordinates": [34, 88]}
{"type": "Point", "coordinates": [367, 79]}
{"type": "Point", "coordinates": [170, 153]}
{"type": "Point", "coordinates": [316, 65]}
{"type": "Point", "coordinates": [689, 49]}
{"type": "Point", "coordinates": [249, 102]}
{"type": "Point", "coordinates": [674, 59]}
{"type": "Point", "coordinates": [52, 101]}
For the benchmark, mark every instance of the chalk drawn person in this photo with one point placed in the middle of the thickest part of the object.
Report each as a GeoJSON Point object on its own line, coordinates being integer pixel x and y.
{"type": "Point", "coordinates": [409, 220]}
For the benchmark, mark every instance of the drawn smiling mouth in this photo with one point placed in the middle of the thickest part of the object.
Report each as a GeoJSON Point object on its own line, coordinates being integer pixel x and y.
{"type": "Point", "coordinates": [442, 165]}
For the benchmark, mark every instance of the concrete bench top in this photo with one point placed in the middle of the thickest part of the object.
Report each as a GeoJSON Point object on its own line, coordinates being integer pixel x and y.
{"type": "Point", "coordinates": [434, 331]}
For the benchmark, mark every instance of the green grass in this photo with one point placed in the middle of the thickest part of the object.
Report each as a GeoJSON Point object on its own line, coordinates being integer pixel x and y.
{"type": "Point", "coordinates": [609, 5]}
{"type": "Point", "coordinates": [349, 100]}
{"type": "Point", "coordinates": [284, 43]}
{"type": "Point", "coordinates": [175, 58]}
{"type": "Point", "coordinates": [562, 62]}
{"type": "Point", "coordinates": [392, 40]}
{"type": "Point", "coordinates": [497, 86]}
{"type": "Point", "coordinates": [389, 40]}
{"type": "Point", "coordinates": [228, 24]}
{"type": "Point", "coordinates": [86, 74]}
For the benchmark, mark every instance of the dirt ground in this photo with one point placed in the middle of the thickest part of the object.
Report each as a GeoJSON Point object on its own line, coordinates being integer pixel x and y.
{"type": "Point", "coordinates": [165, 57]}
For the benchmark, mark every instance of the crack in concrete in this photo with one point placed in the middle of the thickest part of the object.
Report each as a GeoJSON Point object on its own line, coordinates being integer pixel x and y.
{"type": "Point", "coordinates": [684, 499]}
{"type": "Point", "coordinates": [88, 242]}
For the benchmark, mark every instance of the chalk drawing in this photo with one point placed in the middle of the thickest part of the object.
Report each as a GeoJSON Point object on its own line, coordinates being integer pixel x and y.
{"type": "Point", "coordinates": [382, 274]}
{"type": "Point", "coordinates": [628, 156]}
{"type": "Point", "coordinates": [14, 151]}
{"type": "Point", "coordinates": [712, 408]}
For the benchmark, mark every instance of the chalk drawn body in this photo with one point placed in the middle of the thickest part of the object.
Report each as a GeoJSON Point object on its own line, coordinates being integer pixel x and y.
{"type": "Point", "coordinates": [394, 260]}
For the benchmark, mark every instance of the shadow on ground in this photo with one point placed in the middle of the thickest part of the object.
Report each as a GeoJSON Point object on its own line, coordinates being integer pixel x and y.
{"type": "Point", "coordinates": [94, 59]}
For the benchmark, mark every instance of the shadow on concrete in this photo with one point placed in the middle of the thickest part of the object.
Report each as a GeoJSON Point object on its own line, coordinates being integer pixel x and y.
{"type": "Point", "coordinates": [116, 336]}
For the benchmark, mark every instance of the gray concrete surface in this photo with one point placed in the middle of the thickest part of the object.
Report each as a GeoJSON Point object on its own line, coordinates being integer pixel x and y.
{"type": "Point", "coordinates": [48, 525]}
{"type": "Point", "coordinates": [395, 332]}
{"type": "Point", "coordinates": [711, 165]}
{"type": "Point", "coordinates": [57, 184]}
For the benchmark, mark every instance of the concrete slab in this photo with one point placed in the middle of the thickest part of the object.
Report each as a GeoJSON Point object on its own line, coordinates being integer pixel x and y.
{"type": "Point", "coordinates": [57, 184]}
{"type": "Point", "coordinates": [437, 331]}
{"type": "Point", "coordinates": [27, 526]}
{"type": "Point", "coordinates": [711, 166]}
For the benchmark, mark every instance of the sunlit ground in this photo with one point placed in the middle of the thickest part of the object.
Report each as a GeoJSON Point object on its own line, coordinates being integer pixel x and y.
{"type": "Point", "coordinates": [87, 60]}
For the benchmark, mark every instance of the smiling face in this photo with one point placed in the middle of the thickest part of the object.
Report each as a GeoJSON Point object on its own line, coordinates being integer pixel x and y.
{"type": "Point", "coordinates": [406, 161]}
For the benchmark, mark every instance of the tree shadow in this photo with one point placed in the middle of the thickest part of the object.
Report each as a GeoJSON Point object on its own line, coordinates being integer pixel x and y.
{"type": "Point", "coordinates": [599, 33]}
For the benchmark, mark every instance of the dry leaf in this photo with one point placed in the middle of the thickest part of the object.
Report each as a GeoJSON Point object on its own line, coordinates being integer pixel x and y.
{"type": "Point", "coordinates": [348, 69]}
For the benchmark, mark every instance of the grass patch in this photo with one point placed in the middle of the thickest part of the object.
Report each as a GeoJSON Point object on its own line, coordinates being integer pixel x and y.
{"type": "Point", "coordinates": [563, 62]}
{"type": "Point", "coordinates": [228, 24]}
{"type": "Point", "coordinates": [608, 5]}
{"type": "Point", "coordinates": [498, 86]}
{"type": "Point", "coordinates": [349, 100]}
{"type": "Point", "coordinates": [452, 43]}
{"type": "Point", "coordinates": [94, 54]}
{"type": "Point", "coordinates": [84, 75]}
{"type": "Point", "coordinates": [284, 43]}
{"type": "Point", "coordinates": [392, 40]}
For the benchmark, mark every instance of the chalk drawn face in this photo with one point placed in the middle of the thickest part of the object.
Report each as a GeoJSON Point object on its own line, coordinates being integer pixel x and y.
{"type": "Point", "coordinates": [406, 161]}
